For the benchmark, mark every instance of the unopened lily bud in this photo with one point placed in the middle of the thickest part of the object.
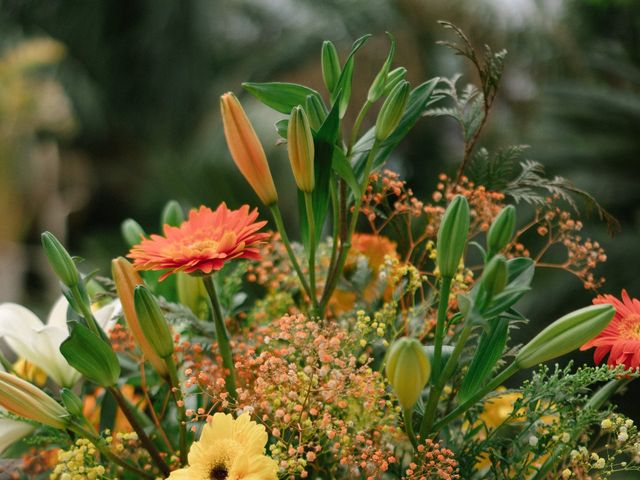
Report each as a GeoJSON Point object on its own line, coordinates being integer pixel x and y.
{"type": "Point", "coordinates": [300, 148]}
{"type": "Point", "coordinates": [172, 214]}
{"type": "Point", "coordinates": [330, 65]}
{"type": "Point", "coordinates": [246, 149]}
{"type": "Point", "coordinates": [71, 401]}
{"type": "Point", "coordinates": [452, 236]}
{"type": "Point", "coordinates": [126, 279]}
{"type": "Point", "coordinates": [25, 400]}
{"type": "Point", "coordinates": [60, 260]}
{"type": "Point", "coordinates": [565, 335]}
{"type": "Point", "coordinates": [132, 232]}
{"type": "Point", "coordinates": [408, 370]}
{"type": "Point", "coordinates": [493, 280]}
{"type": "Point", "coordinates": [315, 111]}
{"type": "Point", "coordinates": [501, 230]}
{"type": "Point", "coordinates": [394, 77]}
{"type": "Point", "coordinates": [152, 321]}
{"type": "Point", "coordinates": [392, 110]}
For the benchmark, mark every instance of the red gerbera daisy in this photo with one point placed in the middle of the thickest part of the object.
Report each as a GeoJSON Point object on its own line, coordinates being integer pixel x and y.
{"type": "Point", "coordinates": [202, 243]}
{"type": "Point", "coordinates": [621, 338]}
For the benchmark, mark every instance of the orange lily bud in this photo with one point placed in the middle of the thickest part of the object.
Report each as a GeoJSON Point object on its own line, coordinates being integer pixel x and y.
{"type": "Point", "coordinates": [126, 280]}
{"type": "Point", "coordinates": [246, 149]}
{"type": "Point", "coordinates": [28, 401]}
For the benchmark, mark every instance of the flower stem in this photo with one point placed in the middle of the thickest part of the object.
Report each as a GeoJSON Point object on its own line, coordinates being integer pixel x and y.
{"type": "Point", "coordinates": [463, 407]}
{"type": "Point", "coordinates": [342, 257]}
{"type": "Point", "coordinates": [223, 337]}
{"type": "Point", "coordinates": [443, 305]}
{"type": "Point", "coordinates": [277, 217]}
{"type": "Point", "coordinates": [356, 126]}
{"type": "Point", "coordinates": [148, 445]}
{"type": "Point", "coordinates": [408, 426]}
{"type": "Point", "coordinates": [308, 201]}
{"type": "Point", "coordinates": [174, 384]}
{"type": "Point", "coordinates": [434, 395]}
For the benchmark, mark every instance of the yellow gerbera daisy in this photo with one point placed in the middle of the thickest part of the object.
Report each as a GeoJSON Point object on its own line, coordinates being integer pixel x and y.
{"type": "Point", "coordinates": [229, 449]}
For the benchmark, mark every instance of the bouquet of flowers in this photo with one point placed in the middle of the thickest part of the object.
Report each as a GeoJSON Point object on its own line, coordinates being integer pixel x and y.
{"type": "Point", "coordinates": [377, 347]}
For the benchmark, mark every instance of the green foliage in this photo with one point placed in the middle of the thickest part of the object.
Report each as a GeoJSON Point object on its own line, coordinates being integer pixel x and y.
{"type": "Point", "coordinates": [548, 405]}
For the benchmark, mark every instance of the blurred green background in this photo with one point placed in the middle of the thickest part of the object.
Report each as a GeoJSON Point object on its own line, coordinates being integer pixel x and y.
{"type": "Point", "coordinates": [110, 108]}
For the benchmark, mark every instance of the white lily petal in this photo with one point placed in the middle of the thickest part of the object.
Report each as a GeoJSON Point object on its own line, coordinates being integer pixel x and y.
{"type": "Point", "coordinates": [58, 314]}
{"type": "Point", "coordinates": [11, 431]}
{"type": "Point", "coordinates": [107, 316]}
{"type": "Point", "coordinates": [47, 340]}
{"type": "Point", "coordinates": [17, 324]}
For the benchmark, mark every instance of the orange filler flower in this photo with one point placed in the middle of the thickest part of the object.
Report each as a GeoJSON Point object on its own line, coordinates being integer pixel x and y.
{"type": "Point", "coordinates": [246, 149]}
{"type": "Point", "coordinates": [203, 243]}
{"type": "Point", "coordinates": [621, 338]}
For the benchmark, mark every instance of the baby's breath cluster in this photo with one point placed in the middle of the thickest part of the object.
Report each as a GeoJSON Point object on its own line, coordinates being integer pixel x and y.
{"type": "Point", "coordinates": [79, 462]}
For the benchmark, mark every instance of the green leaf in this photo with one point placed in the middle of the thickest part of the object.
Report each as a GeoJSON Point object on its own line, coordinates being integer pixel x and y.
{"type": "Point", "coordinates": [418, 101]}
{"type": "Point", "coordinates": [325, 145]}
{"type": "Point", "coordinates": [91, 355]}
{"type": "Point", "coordinates": [280, 96]}
{"type": "Point", "coordinates": [342, 167]}
{"type": "Point", "coordinates": [489, 350]}
{"type": "Point", "coordinates": [282, 127]}
{"type": "Point", "coordinates": [342, 93]}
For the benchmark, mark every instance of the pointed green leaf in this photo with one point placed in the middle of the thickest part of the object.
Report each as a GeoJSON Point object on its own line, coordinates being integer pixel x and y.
{"type": "Point", "coordinates": [342, 167]}
{"type": "Point", "coordinates": [91, 355]}
{"type": "Point", "coordinates": [280, 96]}
{"type": "Point", "coordinates": [489, 350]}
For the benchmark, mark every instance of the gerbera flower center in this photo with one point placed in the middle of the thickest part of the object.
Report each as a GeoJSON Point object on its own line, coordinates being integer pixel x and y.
{"type": "Point", "coordinates": [219, 472]}
{"type": "Point", "coordinates": [631, 326]}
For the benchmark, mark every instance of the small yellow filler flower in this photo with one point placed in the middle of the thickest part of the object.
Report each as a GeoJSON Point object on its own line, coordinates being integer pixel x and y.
{"type": "Point", "coordinates": [229, 449]}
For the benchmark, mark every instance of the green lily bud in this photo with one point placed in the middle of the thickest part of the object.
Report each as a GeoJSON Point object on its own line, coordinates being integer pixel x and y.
{"type": "Point", "coordinates": [132, 232]}
{"type": "Point", "coordinates": [392, 110]}
{"type": "Point", "coordinates": [565, 335]}
{"type": "Point", "coordinates": [393, 78]}
{"type": "Point", "coordinates": [91, 355]}
{"type": "Point", "coordinates": [300, 148]}
{"type": "Point", "coordinates": [493, 281]}
{"type": "Point", "coordinates": [60, 260]}
{"type": "Point", "coordinates": [452, 236]}
{"type": "Point", "coordinates": [172, 214]}
{"type": "Point", "coordinates": [501, 231]}
{"type": "Point", "coordinates": [153, 324]}
{"type": "Point", "coordinates": [408, 370]}
{"type": "Point", "coordinates": [379, 83]}
{"type": "Point", "coordinates": [315, 111]}
{"type": "Point", "coordinates": [330, 65]}
{"type": "Point", "coordinates": [71, 401]}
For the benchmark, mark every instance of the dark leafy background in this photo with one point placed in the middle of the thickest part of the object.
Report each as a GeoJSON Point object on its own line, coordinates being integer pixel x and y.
{"type": "Point", "coordinates": [144, 78]}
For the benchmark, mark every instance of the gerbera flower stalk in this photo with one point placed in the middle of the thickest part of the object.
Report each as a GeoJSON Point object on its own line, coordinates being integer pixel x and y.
{"type": "Point", "coordinates": [621, 338]}
{"type": "Point", "coordinates": [201, 245]}
{"type": "Point", "coordinates": [229, 449]}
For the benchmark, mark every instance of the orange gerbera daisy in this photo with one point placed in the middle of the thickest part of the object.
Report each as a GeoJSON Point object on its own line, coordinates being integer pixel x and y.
{"type": "Point", "coordinates": [203, 243]}
{"type": "Point", "coordinates": [621, 338]}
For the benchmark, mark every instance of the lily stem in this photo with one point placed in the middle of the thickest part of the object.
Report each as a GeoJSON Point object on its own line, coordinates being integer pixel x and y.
{"type": "Point", "coordinates": [277, 217]}
{"type": "Point", "coordinates": [174, 384]}
{"type": "Point", "coordinates": [308, 201]}
{"type": "Point", "coordinates": [443, 305]}
{"type": "Point", "coordinates": [148, 445]}
{"type": "Point", "coordinates": [463, 407]}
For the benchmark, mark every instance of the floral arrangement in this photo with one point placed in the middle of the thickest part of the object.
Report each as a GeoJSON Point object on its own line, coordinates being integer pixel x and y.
{"type": "Point", "coordinates": [375, 348]}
